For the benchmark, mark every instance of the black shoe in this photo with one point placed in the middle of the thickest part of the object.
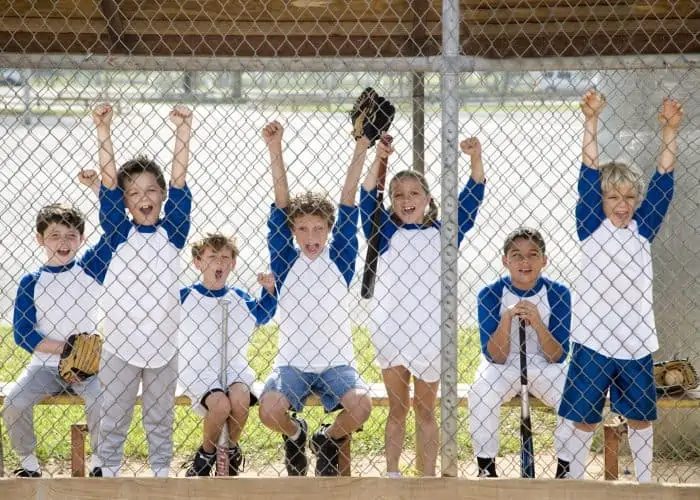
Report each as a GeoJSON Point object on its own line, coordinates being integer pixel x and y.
{"type": "Point", "coordinates": [96, 472]}
{"type": "Point", "coordinates": [26, 473]}
{"type": "Point", "coordinates": [563, 468]}
{"type": "Point", "coordinates": [201, 463]}
{"type": "Point", "coordinates": [327, 451]}
{"type": "Point", "coordinates": [487, 467]}
{"type": "Point", "coordinates": [236, 461]}
{"type": "Point", "coordinates": [295, 451]}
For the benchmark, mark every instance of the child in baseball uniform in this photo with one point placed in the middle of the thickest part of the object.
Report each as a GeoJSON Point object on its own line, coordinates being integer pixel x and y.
{"type": "Point", "coordinates": [54, 302]}
{"type": "Point", "coordinates": [545, 307]}
{"type": "Point", "coordinates": [201, 337]}
{"type": "Point", "coordinates": [315, 345]}
{"type": "Point", "coordinates": [405, 316]}
{"type": "Point", "coordinates": [139, 265]}
{"type": "Point", "coordinates": [613, 329]}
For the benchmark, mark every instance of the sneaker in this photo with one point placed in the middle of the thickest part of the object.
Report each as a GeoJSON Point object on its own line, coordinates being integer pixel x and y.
{"type": "Point", "coordinates": [236, 460]}
{"type": "Point", "coordinates": [201, 464]}
{"type": "Point", "coordinates": [26, 473]}
{"type": "Point", "coordinates": [563, 469]}
{"type": "Point", "coordinates": [96, 472]}
{"type": "Point", "coordinates": [487, 467]}
{"type": "Point", "coordinates": [327, 451]}
{"type": "Point", "coordinates": [295, 451]}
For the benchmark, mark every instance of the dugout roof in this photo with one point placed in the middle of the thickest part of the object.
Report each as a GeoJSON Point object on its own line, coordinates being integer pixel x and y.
{"type": "Point", "coordinates": [333, 28]}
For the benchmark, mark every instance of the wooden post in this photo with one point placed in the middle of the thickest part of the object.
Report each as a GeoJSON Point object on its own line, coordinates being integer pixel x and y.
{"type": "Point", "coordinates": [612, 431]}
{"type": "Point", "coordinates": [77, 447]}
{"type": "Point", "coordinates": [345, 458]}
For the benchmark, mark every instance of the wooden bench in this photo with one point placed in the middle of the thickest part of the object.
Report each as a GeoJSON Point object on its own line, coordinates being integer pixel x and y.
{"type": "Point", "coordinates": [614, 428]}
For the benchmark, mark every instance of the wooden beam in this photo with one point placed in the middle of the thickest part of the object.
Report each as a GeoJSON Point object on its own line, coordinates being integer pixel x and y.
{"type": "Point", "coordinates": [352, 488]}
{"type": "Point", "coordinates": [115, 22]}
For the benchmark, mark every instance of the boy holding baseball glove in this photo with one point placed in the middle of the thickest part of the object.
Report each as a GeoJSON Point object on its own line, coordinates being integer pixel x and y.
{"type": "Point", "coordinates": [55, 317]}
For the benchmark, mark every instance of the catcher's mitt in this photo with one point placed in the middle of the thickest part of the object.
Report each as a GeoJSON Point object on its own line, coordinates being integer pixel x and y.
{"type": "Point", "coordinates": [674, 377]}
{"type": "Point", "coordinates": [371, 115]}
{"type": "Point", "coordinates": [80, 357]}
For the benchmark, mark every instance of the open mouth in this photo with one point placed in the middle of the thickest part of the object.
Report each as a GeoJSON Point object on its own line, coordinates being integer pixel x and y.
{"type": "Point", "coordinates": [408, 211]}
{"type": "Point", "coordinates": [218, 274]}
{"type": "Point", "coordinates": [63, 252]}
{"type": "Point", "coordinates": [146, 209]}
{"type": "Point", "coordinates": [312, 248]}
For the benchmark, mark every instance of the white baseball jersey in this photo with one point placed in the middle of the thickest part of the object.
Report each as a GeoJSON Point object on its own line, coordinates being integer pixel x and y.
{"type": "Point", "coordinates": [613, 294]}
{"type": "Point", "coordinates": [139, 267]}
{"type": "Point", "coordinates": [405, 315]}
{"type": "Point", "coordinates": [54, 302]}
{"type": "Point", "coordinates": [313, 297]}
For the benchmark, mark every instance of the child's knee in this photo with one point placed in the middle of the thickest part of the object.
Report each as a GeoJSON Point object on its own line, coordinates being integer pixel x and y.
{"type": "Point", "coordinates": [218, 405]}
{"type": "Point", "coordinates": [424, 412]}
{"type": "Point", "coordinates": [15, 405]}
{"type": "Point", "coordinates": [273, 408]}
{"type": "Point", "coordinates": [585, 427]}
{"type": "Point", "coordinates": [398, 408]}
{"type": "Point", "coordinates": [239, 399]}
{"type": "Point", "coordinates": [358, 404]}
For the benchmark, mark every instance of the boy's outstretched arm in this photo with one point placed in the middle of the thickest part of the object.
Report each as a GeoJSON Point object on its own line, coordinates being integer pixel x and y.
{"type": "Point", "coordinates": [272, 133]}
{"type": "Point", "coordinates": [472, 147]}
{"type": "Point", "coordinates": [591, 105]}
{"type": "Point", "coordinates": [102, 118]}
{"type": "Point", "coordinates": [670, 119]}
{"type": "Point", "coordinates": [181, 116]}
{"type": "Point", "coordinates": [352, 179]}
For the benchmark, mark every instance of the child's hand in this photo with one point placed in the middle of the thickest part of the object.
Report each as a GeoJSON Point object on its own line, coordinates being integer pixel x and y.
{"type": "Point", "coordinates": [267, 281]}
{"type": "Point", "coordinates": [102, 115]}
{"type": "Point", "coordinates": [528, 312]}
{"type": "Point", "coordinates": [181, 115]}
{"type": "Point", "coordinates": [671, 113]}
{"type": "Point", "coordinates": [471, 146]}
{"type": "Point", "coordinates": [384, 148]}
{"type": "Point", "coordinates": [88, 178]}
{"type": "Point", "coordinates": [592, 103]}
{"type": "Point", "coordinates": [272, 133]}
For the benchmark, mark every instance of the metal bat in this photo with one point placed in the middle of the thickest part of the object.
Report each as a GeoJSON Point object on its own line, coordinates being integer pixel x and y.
{"type": "Point", "coordinates": [527, 451]}
{"type": "Point", "coordinates": [222, 457]}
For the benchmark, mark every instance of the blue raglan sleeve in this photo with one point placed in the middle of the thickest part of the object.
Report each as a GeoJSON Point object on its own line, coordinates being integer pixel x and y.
{"type": "Point", "coordinates": [263, 309]}
{"type": "Point", "coordinates": [176, 222]}
{"type": "Point", "coordinates": [184, 293]}
{"type": "Point", "coordinates": [281, 245]}
{"type": "Point", "coordinates": [95, 261]}
{"type": "Point", "coordinates": [489, 314]}
{"type": "Point", "coordinates": [24, 319]}
{"type": "Point", "coordinates": [650, 214]}
{"type": "Point", "coordinates": [368, 205]}
{"type": "Point", "coordinates": [589, 207]}
{"type": "Point", "coordinates": [469, 202]}
{"type": "Point", "coordinates": [344, 245]}
{"type": "Point", "coordinates": [559, 298]}
{"type": "Point", "coordinates": [113, 218]}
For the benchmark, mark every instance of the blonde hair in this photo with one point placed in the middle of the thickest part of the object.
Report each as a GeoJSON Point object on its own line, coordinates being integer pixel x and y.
{"type": "Point", "coordinates": [615, 174]}
{"type": "Point", "coordinates": [215, 241]}
{"type": "Point", "coordinates": [432, 216]}
{"type": "Point", "coordinates": [311, 203]}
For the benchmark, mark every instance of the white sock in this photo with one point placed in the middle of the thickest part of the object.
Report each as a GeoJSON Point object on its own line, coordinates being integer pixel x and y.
{"type": "Point", "coordinates": [110, 471]}
{"type": "Point", "coordinates": [642, 448]}
{"type": "Point", "coordinates": [394, 475]}
{"type": "Point", "coordinates": [30, 462]}
{"type": "Point", "coordinates": [296, 435]}
{"type": "Point", "coordinates": [95, 461]}
{"type": "Point", "coordinates": [161, 472]}
{"type": "Point", "coordinates": [562, 439]}
{"type": "Point", "coordinates": [580, 446]}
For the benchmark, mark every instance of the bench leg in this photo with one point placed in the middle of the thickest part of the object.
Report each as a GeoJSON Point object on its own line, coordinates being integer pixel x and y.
{"type": "Point", "coordinates": [612, 432]}
{"type": "Point", "coordinates": [344, 459]}
{"type": "Point", "coordinates": [77, 446]}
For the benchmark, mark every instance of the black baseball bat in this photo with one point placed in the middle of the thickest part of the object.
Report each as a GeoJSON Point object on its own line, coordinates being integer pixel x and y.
{"type": "Point", "coordinates": [527, 451]}
{"type": "Point", "coordinates": [370, 273]}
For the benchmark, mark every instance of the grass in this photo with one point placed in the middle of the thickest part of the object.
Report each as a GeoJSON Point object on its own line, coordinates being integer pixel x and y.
{"type": "Point", "coordinates": [52, 423]}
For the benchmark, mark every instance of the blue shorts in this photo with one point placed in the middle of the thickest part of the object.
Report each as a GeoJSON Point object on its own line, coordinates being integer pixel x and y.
{"type": "Point", "coordinates": [330, 385]}
{"type": "Point", "coordinates": [631, 384]}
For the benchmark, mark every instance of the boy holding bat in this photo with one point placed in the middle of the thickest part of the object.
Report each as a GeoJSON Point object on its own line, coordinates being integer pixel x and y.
{"type": "Point", "coordinates": [545, 308]}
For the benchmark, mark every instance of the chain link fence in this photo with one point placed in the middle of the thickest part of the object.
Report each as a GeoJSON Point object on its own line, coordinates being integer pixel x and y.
{"type": "Point", "coordinates": [522, 105]}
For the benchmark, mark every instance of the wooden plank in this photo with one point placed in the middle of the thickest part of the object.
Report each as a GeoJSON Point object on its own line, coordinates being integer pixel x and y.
{"type": "Point", "coordinates": [368, 488]}
{"type": "Point", "coordinates": [77, 446]}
